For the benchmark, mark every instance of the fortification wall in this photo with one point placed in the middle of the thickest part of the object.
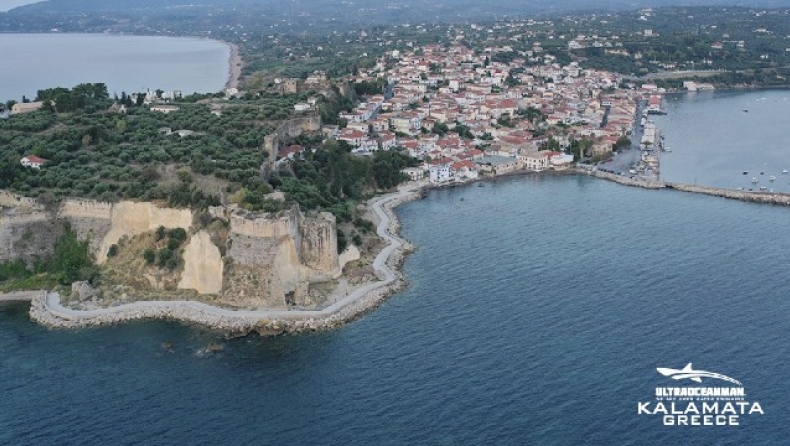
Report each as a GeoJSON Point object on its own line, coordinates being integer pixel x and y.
{"type": "Point", "coordinates": [90, 220]}
{"type": "Point", "coordinates": [29, 237]}
{"type": "Point", "coordinates": [285, 224]}
{"type": "Point", "coordinates": [86, 209]}
{"type": "Point", "coordinates": [318, 247]}
{"type": "Point", "coordinates": [130, 218]}
{"type": "Point", "coordinates": [203, 266]}
{"type": "Point", "coordinates": [250, 279]}
{"type": "Point", "coordinates": [295, 127]}
{"type": "Point", "coordinates": [11, 200]}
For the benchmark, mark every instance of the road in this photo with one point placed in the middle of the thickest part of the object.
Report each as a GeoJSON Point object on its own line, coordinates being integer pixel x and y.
{"type": "Point", "coordinates": [624, 161]}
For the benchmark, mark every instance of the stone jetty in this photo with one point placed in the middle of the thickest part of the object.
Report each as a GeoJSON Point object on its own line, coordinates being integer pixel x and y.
{"type": "Point", "coordinates": [750, 196]}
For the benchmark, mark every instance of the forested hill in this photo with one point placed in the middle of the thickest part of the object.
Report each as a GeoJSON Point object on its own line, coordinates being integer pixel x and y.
{"type": "Point", "coordinates": [367, 11]}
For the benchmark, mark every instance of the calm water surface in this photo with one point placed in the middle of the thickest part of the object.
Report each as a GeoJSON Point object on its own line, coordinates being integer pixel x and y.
{"type": "Point", "coordinates": [124, 63]}
{"type": "Point", "coordinates": [538, 311]}
{"type": "Point", "coordinates": [713, 140]}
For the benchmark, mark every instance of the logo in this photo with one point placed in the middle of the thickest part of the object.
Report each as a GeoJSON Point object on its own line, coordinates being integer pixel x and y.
{"type": "Point", "coordinates": [695, 375]}
{"type": "Point", "coordinates": [705, 405]}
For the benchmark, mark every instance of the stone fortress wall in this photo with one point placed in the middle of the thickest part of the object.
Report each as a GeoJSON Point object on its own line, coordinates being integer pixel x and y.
{"type": "Point", "coordinates": [270, 259]}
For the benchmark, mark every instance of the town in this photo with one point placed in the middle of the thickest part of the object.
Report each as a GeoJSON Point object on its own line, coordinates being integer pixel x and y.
{"type": "Point", "coordinates": [466, 115]}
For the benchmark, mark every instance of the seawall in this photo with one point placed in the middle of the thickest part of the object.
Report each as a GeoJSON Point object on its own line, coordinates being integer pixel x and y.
{"type": "Point", "coordinates": [753, 197]}
{"type": "Point", "coordinates": [47, 310]}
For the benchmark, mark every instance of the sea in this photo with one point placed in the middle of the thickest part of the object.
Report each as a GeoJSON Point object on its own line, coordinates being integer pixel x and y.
{"type": "Point", "coordinates": [538, 312]}
{"type": "Point", "coordinates": [747, 133]}
{"type": "Point", "coordinates": [125, 63]}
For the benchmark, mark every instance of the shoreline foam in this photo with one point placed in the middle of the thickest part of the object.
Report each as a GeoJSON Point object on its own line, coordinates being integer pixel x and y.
{"type": "Point", "coordinates": [46, 309]}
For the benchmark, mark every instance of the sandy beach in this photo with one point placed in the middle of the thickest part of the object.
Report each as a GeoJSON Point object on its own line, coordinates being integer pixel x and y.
{"type": "Point", "coordinates": [235, 64]}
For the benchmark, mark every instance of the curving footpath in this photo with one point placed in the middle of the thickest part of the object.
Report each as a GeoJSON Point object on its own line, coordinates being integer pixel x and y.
{"type": "Point", "coordinates": [46, 308]}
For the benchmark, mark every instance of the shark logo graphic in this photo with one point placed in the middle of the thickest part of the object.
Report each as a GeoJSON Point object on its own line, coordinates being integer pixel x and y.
{"type": "Point", "coordinates": [695, 375]}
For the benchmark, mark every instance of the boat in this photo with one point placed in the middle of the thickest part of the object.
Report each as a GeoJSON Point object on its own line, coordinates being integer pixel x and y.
{"type": "Point", "coordinates": [755, 180]}
{"type": "Point", "coordinates": [784, 172]}
{"type": "Point", "coordinates": [745, 110]}
{"type": "Point", "coordinates": [746, 172]}
{"type": "Point", "coordinates": [762, 173]}
{"type": "Point", "coordinates": [763, 187]}
{"type": "Point", "coordinates": [772, 178]}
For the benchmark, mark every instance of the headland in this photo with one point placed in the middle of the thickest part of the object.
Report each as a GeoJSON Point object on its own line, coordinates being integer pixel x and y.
{"type": "Point", "coordinates": [46, 308]}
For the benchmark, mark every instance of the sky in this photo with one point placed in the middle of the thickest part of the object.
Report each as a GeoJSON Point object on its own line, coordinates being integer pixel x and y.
{"type": "Point", "coordinates": [5, 5]}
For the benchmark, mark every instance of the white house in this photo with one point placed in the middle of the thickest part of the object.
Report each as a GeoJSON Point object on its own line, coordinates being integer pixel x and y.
{"type": "Point", "coordinates": [536, 161]}
{"type": "Point", "coordinates": [164, 108]}
{"type": "Point", "coordinates": [439, 174]}
{"type": "Point", "coordinates": [414, 173]}
{"type": "Point", "coordinates": [33, 161]}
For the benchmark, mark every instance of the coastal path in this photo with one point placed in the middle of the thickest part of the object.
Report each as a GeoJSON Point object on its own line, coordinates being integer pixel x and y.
{"type": "Point", "coordinates": [51, 312]}
{"type": "Point", "coordinates": [20, 296]}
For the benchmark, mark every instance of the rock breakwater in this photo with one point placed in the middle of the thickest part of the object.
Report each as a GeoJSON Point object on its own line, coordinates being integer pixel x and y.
{"type": "Point", "coordinates": [742, 195]}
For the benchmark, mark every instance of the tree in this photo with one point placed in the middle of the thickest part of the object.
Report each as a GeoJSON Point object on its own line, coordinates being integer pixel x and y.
{"type": "Point", "coordinates": [150, 256]}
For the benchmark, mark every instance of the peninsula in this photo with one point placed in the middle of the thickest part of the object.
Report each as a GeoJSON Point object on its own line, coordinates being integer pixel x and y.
{"type": "Point", "coordinates": [260, 208]}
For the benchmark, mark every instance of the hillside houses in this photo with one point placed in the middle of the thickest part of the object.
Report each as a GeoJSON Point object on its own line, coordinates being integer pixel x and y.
{"type": "Point", "coordinates": [501, 109]}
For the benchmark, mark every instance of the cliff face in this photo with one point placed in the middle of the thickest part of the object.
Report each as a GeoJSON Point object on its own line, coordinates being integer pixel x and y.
{"type": "Point", "coordinates": [269, 260]}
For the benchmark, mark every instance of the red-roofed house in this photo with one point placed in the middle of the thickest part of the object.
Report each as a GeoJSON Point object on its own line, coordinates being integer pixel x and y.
{"type": "Point", "coordinates": [291, 152]}
{"type": "Point", "coordinates": [33, 161]}
{"type": "Point", "coordinates": [464, 170]}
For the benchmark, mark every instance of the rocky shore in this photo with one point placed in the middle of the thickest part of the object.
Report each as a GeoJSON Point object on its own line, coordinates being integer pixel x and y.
{"type": "Point", "coordinates": [46, 309]}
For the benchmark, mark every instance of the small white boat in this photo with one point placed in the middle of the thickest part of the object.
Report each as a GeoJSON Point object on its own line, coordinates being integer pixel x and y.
{"type": "Point", "coordinates": [763, 188]}
{"type": "Point", "coordinates": [784, 171]}
{"type": "Point", "coordinates": [772, 178]}
{"type": "Point", "coordinates": [755, 180]}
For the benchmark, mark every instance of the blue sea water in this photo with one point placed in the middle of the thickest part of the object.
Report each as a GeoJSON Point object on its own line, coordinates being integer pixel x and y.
{"type": "Point", "coordinates": [538, 311]}
{"type": "Point", "coordinates": [716, 136]}
{"type": "Point", "coordinates": [128, 64]}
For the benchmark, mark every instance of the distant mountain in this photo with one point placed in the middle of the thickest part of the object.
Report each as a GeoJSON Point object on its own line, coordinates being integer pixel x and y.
{"type": "Point", "coordinates": [377, 10]}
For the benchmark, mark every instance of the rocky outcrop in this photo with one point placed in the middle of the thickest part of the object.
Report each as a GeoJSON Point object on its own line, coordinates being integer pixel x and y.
{"type": "Point", "coordinates": [349, 255]}
{"type": "Point", "coordinates": [203, 265]}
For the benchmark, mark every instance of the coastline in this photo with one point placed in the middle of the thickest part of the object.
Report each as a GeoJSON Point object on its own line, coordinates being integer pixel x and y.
{"type": "Point", "coordinates": [235, 64]}
{"type": "Point", "coordinates": [46, 309]}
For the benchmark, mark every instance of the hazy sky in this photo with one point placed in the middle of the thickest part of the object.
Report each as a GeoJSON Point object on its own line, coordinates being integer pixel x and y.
{"type": "Point", "coordinates": [5, 5]}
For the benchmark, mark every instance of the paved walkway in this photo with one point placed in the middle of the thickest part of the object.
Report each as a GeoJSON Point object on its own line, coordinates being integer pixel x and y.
{"type": "Point", "coordinates": [20, 296]}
